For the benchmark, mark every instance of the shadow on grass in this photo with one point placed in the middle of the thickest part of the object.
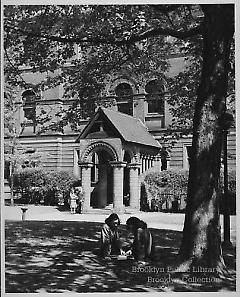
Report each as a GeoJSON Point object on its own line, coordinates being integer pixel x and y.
{"type": "Point", "coordinates": [57, 257]}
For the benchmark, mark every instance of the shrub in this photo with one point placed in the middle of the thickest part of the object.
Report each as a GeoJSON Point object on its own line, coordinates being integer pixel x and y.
{"type": "Point", "coordinates": [169, 186]}
{"type": "Point", "coordinates": [57, 182]}
{"type": "Point", "coordinates": [231, 192]}
{"type": "Point", "coordinates": [39, 185]}
{"type": "Point", "coordinates": [231, 181]}
{"type": "Point", "coordinates": [165, 185]}
{"type": "Point", "coordinates": [30, 183]}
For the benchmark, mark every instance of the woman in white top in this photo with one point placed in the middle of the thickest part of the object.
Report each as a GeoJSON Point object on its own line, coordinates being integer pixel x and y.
{"type": "Point", "coordinates": [109, 241]}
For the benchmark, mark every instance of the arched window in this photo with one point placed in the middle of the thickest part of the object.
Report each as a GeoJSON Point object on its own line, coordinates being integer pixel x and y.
{"type": "Point", "coordinates": [29, 107]}
{"type": "Point", "coordinates": [124, 98]}
{"type": "Point", "coordinates": [155, 96]}
{"type": "Point", "coordinates": [29, 104]}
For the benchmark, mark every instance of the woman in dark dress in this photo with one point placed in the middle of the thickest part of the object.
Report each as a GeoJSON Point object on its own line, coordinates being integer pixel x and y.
{"type": "Point", "coordinates": [142, 247]}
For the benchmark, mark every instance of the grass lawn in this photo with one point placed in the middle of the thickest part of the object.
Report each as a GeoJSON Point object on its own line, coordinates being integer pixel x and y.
{"type": "Point", "coordinates": [57, 256]}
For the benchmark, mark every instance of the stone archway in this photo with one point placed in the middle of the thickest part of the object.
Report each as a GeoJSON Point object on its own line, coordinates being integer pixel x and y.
{"type": "Point", "coordinates": [101, 179]}
{"type": "Point", "coordinates": [115, 178]}
{"type": "Point", "coordinates": [108, 137]}
{"type": "Point", "coordinates": [97, 175]}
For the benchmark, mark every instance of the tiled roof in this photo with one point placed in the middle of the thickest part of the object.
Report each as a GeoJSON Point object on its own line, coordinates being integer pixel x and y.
{"type": "Point", "coordinates": [131, 129]}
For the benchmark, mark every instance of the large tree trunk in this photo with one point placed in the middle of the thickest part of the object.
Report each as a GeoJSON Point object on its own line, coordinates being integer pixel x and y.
{"type": "Point", "coordinates": [201, 243]}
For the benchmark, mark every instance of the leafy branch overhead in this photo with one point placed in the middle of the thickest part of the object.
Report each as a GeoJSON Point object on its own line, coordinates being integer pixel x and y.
{"type": "Point", "coordinates": [86, 46]}
{"type": "Point", "coordinates": [91, 44]}
{"type": "Point", "coordinates": [117, 25]}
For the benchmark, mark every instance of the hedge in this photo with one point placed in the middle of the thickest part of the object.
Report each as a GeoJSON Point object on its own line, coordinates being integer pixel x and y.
{"type": "Point", "coordinates": [231, 192]}
{"type": "Point", "coordinates": [37, 185]}
{"type": "Point", "coordinates": [159, 186]}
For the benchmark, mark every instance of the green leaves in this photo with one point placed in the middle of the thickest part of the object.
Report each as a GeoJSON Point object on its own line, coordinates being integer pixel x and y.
{"type": "Point", "coordinates": [84, 48]}
{"type": "Point", "coordinates": [33, 181]}
{"type": "Point", "coordinates": [167, 183]}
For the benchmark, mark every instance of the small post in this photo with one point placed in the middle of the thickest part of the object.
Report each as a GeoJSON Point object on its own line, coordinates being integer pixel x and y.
{"type": "Point", "coordinates": [24, 210]}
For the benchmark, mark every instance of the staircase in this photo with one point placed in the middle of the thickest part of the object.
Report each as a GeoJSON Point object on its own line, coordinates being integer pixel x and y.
{"type": "Point", "coordinates": [109, 209]}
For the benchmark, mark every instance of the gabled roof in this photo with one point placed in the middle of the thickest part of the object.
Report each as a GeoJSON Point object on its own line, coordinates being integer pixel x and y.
{"type": "Point", "coordinates": [129, 128]}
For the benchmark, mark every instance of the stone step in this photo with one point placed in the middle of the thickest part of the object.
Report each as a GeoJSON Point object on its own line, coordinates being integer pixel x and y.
{"type": "Point", "coordinates": [99, 210]}
{"type": "Point", "coordinates": [109, 206]}
{"type": "Point", "coordinates": [109, 210]}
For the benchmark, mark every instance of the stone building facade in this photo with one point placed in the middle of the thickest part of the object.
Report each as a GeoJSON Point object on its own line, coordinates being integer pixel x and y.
{"type": "Point", "coordinates": [120, 143]}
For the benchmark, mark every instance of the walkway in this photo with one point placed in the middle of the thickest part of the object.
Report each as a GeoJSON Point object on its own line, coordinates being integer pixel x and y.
{"type": "Point", "coordinates": [158, 220]}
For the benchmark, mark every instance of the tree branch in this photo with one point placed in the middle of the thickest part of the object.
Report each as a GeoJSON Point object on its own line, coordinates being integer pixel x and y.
{"type": "Point", "coordinates": [169, 19]}
{"type": "Point", "coordinates": [166, 8]}
{"type": "Point", "coordinates": [111, 39]}
{"type": "Point", "coordinates": [12, 65]}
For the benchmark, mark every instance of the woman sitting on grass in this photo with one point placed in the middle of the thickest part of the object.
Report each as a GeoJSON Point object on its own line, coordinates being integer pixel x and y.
{"type": "Point", "coordinates": [109, 241]}
{"type": "Point", "coordinates": [142, 248]}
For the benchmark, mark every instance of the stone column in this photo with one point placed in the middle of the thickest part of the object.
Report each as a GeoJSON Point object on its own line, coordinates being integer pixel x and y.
{"type": "Point", "coordinates": [152, 162]}
{"type": "Point", "coordinates": [158, 163]}
{"type": "Point", "coordinates": [146, 163]}
{"type": "Point", "coordinates": [168, 162]}
{"type": "Point", "coordinates": [149, 162]}
{"type": "Point", "coordinates": [86, 184]}
{"type": "Point", "coordinates": [134, 185]}
{"type": "Point", "coordinates": [118, 185]}
{"type": "Point", "coordinates": [142, 162]}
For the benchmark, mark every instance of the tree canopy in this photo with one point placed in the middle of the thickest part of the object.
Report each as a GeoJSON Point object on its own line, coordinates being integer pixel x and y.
{"type": "Point", "coordinates": [135, 38]}
{"type": "Point", "coordinates": [92, 44]}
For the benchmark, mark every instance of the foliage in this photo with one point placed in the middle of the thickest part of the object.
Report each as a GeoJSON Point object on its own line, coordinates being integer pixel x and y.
{"type": "Point", "coordinates": [38, 29]}
{"type": "Point", "coordinates": [91, 44]}
{"type": "Point", "coordinates": [231, 181]}
{"type": "Point", "coordinates": [231, 196]}
{"type": "Point", "coordinates": [161, 185]}
{"type": "Point", "coordinates": [84, 47]}
{"type": "Point", "coordinates": [59, 181]}
{"type": "Point", "coordinates": [37, 184]}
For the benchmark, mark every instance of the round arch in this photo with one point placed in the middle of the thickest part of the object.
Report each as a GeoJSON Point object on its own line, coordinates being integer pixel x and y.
{"type": "Point", "coordinates": [96, 147]}
{"type": "Point", "coordinates": [120, 80]}
{"type": "Point", "coordinates": [28, 96]}
{"type": "Point", "coordinates": [155, 82]}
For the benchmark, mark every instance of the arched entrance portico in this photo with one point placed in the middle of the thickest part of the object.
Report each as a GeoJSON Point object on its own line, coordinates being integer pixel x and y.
{"type": "Point", "coordinates": [104, 181]}
{"type": "Point", "coordinates": [110, 161]}
{"type": "Point", "coordinates": [97, 174]}
{"type": "Point", "coordinates": [101, 179]}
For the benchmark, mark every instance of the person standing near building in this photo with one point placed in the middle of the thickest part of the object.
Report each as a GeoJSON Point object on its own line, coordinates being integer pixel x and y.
{"type": "Point", "coordinates": [73, 201]}
{"type": "Point", "coordinates": [80, 196]}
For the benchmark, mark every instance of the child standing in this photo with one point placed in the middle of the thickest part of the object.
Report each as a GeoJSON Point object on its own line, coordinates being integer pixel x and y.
{"type": "Point", "coordinates": [73, 201]}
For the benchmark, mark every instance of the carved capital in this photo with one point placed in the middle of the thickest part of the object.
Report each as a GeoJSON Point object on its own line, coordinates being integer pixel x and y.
{"type": "Point", "coordinates": [85, 164]}
{"type": "Point", "coordinates": [116, 164]}
{"type": "Point", "coordinates": [134, 165]}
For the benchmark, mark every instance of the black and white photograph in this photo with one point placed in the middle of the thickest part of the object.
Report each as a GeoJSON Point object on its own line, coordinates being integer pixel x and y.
{"type": "Point", "coordinates": [118, 147]}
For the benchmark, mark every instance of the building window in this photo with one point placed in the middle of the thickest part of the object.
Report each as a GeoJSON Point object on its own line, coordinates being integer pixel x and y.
{"type": "Point", "coordinates": [164, 158]}
{"type": "Point", "coordinates": [155, 97]}
{"type": "Point", "coordinates": [29, 108]}
{"type": "Point", "coordinates": [124, 98]}
{"type": "Point", "coordinates": [6, 169]}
